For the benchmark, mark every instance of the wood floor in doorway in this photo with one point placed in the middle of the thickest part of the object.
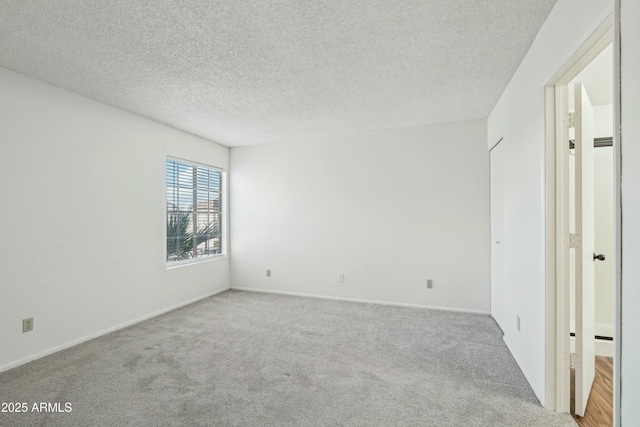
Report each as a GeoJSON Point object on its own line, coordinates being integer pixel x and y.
{"type": "Point", "coordinates": [599, 411]}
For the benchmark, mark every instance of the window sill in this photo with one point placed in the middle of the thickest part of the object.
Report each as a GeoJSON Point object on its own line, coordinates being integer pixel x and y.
{"type": "Point", "coordinates": [177, 264]}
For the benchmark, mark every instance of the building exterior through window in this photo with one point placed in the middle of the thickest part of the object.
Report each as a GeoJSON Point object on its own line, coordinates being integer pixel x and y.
{"type": "Point", "coordinates": [194, 211]}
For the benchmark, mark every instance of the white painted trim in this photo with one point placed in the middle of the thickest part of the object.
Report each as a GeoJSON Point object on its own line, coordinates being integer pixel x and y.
{"type": "Point", "coordinates": [192, 163]}
{"type": "Point", "coordinates": [105, 332]}
{"type": "Point", "coordinates": [557, 310]}
{"type": "Point", "coordinates": [199, 260]}
{"type": "Point", "coordinates": [603, 347]}
{"type": "Point", "coordinates": [617, 206]}
{"type": "Point", "coordinates": [590, 49]}
{"type": "Point", "coordinates": [552, 204]}
{"type": "Point", "coordinates": [366, 301]}
{"type": "Point", "coordinates": [559, 222]}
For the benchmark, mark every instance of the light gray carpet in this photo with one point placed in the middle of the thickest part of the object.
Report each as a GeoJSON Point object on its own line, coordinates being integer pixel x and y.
{"type": "Point", "coordinates": [250, 359]}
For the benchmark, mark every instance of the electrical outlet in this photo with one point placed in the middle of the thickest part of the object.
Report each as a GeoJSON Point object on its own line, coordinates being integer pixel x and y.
{"type": "Point", "coordinates": [27, 324]}
{"type": "Point", "coordinates": [268, 272]}
{"type": "Point", "coordinates": [429, 284]}
{"type": "Point", "coordinates": [341, 277]}
{"type": "Point", "coordinates": [518, 322]}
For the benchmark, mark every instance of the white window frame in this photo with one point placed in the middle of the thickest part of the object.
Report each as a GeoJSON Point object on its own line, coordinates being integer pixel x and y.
{"type": "Point", "coordinates": [223, 212]}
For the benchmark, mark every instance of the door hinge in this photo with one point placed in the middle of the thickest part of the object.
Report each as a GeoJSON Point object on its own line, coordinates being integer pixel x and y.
{"type": "Point", "coordinates": [575, 240]}
{"type": "Point", "coordinates": [574, 119]}
{"type": "Point", "coordinates": [572, 360]}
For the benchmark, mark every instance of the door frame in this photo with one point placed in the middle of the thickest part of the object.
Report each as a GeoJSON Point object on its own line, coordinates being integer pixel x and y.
{"type": "Point", "coordinates": [557, 353]}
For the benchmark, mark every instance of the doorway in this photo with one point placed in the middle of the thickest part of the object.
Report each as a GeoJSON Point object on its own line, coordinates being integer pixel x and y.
{"type": "Point", "coordinates": [580, 228]}
{"type": "Point", "coordinates": [596, 407]}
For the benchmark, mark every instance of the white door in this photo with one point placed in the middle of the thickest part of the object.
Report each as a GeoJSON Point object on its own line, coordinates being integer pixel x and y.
{"type": "Point", "coordinates": [585, 231]}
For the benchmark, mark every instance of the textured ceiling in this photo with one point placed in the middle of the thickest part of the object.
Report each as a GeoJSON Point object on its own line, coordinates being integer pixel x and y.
{"type": "Point", "coordinates": [258, 71]}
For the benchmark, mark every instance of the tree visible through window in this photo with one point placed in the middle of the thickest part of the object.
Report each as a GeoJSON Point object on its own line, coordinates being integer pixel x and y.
{"type": "Point", "coordinates": [194, 210]}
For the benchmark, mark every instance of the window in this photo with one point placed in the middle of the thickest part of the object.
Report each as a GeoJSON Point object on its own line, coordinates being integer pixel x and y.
{"type": "Point", "coordinates": [194, 211]}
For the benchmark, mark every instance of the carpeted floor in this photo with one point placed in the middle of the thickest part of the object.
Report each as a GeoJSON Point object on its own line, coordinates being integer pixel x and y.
{"type": "Point", "coordinates": [251, 359]}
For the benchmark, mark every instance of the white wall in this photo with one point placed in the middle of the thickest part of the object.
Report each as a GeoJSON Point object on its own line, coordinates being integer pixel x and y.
{"type": "Point", "coordinates": [83, 218]}
{"type": "Point", "coordinates": [519, 117]}
{"type": "Point", "coordinates": [630, 146]}
{"type": "Point", "coordinates": [387, 209]}
{"type": "Point", "coordinates": [604, 240]}
{"type": "Point", "coordinates": [603, 120]}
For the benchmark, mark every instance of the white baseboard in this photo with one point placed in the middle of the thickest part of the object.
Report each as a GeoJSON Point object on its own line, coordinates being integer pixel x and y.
{"type": "Point", "coordinates": [73, 343]}
{"type": "Point", "coordinates": [603, 347]}
{"type": "Point", "coordinates": [516, 356]}
{"type": "Point", "coordinates": [604, 329]}
{"type": "Point", "coordinates": [395, 304]}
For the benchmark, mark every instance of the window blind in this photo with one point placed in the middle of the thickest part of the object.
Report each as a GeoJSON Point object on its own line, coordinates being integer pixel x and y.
{"type": "Point", "coordinates": [194, 210]}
